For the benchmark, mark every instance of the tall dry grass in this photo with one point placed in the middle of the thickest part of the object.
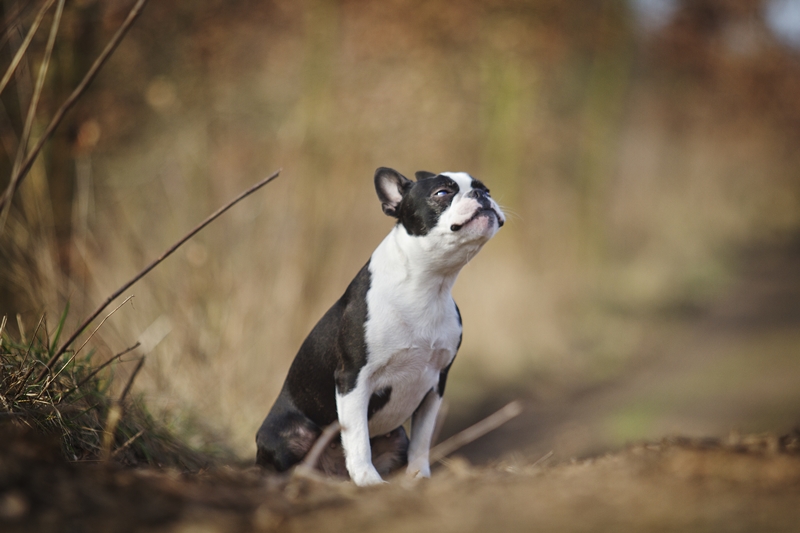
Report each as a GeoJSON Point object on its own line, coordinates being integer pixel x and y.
{"type": "Point", "coordinates": [628, 177]}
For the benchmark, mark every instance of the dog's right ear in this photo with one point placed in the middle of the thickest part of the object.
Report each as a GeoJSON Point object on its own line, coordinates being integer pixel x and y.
{"type": "Point", "coordinates": [391, 187]}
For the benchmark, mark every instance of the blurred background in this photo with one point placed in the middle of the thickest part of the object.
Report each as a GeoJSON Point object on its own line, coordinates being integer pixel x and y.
{"type": "Point", "coordinates": [647, 153]}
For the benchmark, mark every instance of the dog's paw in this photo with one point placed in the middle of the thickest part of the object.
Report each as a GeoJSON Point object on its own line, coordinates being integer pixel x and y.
{"type": "Point", "coordinates": [418, 469]}
{"type": "Point", "coordinates": [366, 477]}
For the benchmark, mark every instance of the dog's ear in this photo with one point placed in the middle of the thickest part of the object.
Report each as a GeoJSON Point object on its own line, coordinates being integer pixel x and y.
{"type": "Point", "coordinates": [391, 187]}
{"type": "Point", "coordinates": [423, 175]}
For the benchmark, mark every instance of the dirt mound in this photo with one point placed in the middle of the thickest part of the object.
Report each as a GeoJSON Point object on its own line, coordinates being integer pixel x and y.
{"type": "Point", "coordinates": [752, 484]}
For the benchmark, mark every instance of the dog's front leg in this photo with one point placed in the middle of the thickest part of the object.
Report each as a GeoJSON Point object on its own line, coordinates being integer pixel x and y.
{"type": "Point", "coordinates": [352, 410]}
{"type": "Point", "coordinates": [422, 424]}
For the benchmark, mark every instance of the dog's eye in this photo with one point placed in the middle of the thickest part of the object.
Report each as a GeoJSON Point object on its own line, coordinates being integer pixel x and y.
{"type": "Point", "coordinates": [441, 192]}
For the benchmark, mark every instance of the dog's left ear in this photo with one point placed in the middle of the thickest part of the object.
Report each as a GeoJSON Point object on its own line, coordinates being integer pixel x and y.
{"type": "Point", "coordinates": [391, 187]}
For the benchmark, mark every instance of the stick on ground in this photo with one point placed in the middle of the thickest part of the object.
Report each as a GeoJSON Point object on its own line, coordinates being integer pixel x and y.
{"type": "Point", "coordinates": [475, 431]}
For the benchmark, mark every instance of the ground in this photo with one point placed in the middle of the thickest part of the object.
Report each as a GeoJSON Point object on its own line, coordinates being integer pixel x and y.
{"type": "Point", "coordinates": [749, 484]}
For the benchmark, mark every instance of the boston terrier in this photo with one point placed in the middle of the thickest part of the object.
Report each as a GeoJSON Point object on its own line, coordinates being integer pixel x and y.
{"type": "Point", "coordinates": [381, 354]}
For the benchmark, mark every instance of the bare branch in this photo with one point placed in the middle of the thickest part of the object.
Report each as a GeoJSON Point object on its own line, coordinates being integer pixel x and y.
{"type": "Point", "coordinates": [128, 443]}
{"type": "Point", "coordinates": [74, 355]}
{"type": "Point", "coordinates": [150, 267]}
{"type": "Point", "coordinates": [128, 385]}
{"type": "Point", "coordinates": [475, 431]}
{"type": "Point", "coordinates": [128, 299]}
{"type": "Point", "coordinates": [98, 369]}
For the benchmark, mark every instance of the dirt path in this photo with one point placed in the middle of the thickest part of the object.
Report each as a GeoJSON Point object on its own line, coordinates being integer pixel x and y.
{"type": "Point", "coordinates": [678, 486]}
{"type": "Point", "coordinates": [734, 366]}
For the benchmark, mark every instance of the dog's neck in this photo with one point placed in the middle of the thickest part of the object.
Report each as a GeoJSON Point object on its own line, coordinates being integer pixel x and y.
{"type": "Point", "coordinates": [418, 264]}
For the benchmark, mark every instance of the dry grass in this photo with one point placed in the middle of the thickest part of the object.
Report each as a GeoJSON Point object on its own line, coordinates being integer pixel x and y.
{"type": "Point", "coordinates": [75, 403]}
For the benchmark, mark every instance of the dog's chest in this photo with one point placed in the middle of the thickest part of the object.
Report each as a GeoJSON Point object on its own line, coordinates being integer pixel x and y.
{"type": "Point", "coordinates": [412, 333]}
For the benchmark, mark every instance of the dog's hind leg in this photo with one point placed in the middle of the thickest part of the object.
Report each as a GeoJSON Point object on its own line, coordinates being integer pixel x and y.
{"type": "Point", "coordinates": [285, 437]}
{"type": "Point", "coordinates": [389, 452]}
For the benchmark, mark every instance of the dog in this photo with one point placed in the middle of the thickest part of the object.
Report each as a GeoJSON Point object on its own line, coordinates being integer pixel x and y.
{"type": "Point", "coordinates": [381, 353]}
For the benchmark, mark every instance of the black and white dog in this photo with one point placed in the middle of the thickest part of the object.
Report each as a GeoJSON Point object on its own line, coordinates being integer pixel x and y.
{"type": "Point", "coordinates": [381, 354]}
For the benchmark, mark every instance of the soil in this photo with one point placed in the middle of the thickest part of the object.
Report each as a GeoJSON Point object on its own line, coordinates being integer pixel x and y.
{"type": "Point", "coordinates": [680, 485]}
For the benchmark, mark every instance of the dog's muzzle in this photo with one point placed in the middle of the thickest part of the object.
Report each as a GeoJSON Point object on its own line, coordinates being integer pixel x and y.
{"type": "Point", "coordinates": [478, 213]}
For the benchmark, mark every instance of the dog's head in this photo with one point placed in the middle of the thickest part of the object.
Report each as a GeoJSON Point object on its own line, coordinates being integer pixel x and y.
{"type": "Point", "coordinates": [451, 207]}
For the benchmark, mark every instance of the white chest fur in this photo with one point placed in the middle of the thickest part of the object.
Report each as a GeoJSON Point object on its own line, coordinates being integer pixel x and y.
{"type": "Point", "coordinates": [412, 330]}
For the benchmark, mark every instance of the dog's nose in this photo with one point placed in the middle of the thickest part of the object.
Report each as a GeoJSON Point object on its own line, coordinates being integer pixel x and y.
{"type": "Point", "coordinates": [477, 194]}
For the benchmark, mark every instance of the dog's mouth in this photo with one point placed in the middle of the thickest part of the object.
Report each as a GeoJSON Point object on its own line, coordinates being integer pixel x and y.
{"type": "Point", "coordinates": [479, 213]}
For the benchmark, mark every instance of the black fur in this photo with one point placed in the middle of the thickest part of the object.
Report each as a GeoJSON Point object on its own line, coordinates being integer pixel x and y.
{"type": "Point", "coordinates": [418, 221]}
{"type": "Point", "coordinates": [328, 360]}
{"type": "Point", "coordinates": [378, 400]}
{"type": "Point", "coordinates": [443, 373]}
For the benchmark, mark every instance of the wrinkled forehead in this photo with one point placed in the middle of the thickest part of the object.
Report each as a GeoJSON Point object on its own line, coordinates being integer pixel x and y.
{"type": "Point", "coordinates": [462, 179]}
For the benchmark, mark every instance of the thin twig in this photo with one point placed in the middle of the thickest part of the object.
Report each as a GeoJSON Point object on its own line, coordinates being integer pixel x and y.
{"type": "Point", "coordinates": [150, 267]}
{"type": "Point", "coordinates": [126, 300]}
{"type": "Point", "coordinates": [475, 431]}
{"type": "Point", "coordinates": [542, 459]}
{"type": "Point", "coordinates": [128, 442]}
{"type": "Point", "coordinates": [33, 339]}
{"type": "Point", "coordinates": [98, 369]}
{"type": "Point", "coordinates": [313, 455]}
{"type": "Point", "coordinates": [17, 177]}
{"type": "Point", "coordinates": [24, 46]}
{"type": "Point", "coordinates": [130, 380]}
{"type": "Point", "coordinates": [75, 354]}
